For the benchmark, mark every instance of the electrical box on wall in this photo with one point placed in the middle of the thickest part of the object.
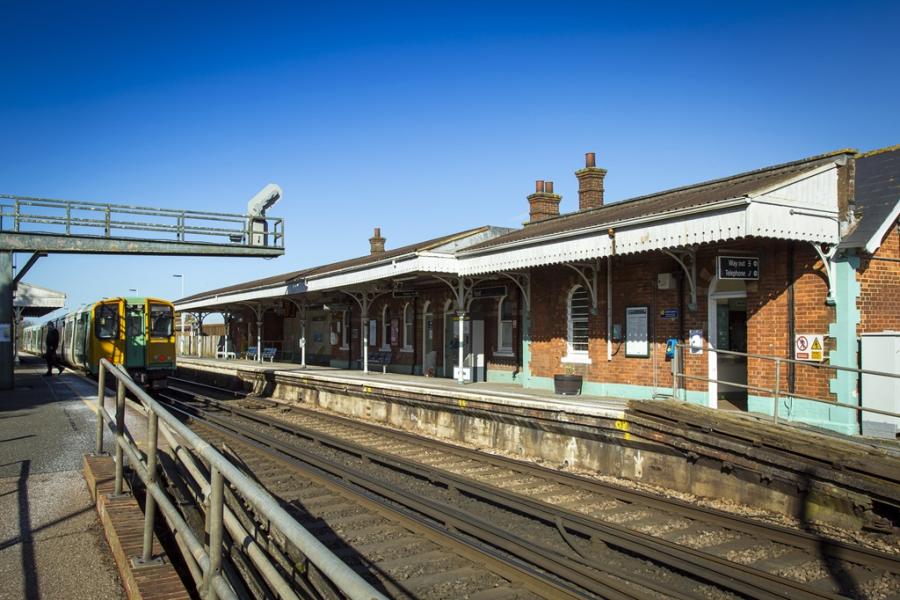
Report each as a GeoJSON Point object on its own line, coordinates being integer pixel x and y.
{"type": "Point", "coordinates": [665, 281]}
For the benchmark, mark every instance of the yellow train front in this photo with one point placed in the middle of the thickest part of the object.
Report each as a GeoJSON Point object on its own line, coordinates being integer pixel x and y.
{"type": "Point", "coordinates": [136, 332]}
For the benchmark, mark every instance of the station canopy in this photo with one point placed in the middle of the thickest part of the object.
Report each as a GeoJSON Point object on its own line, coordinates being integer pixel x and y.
{"type": "Point", "coordinates": [36, 301]}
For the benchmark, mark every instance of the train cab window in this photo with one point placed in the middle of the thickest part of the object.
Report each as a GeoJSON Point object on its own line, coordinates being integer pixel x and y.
{"type": "Point", "coordinates": [106, 324]}
{"type": "Point", "coordinates": [161, 320]}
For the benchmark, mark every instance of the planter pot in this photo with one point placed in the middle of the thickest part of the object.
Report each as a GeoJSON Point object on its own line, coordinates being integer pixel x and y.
{"type": "Point", "coordinates": [567, 385]}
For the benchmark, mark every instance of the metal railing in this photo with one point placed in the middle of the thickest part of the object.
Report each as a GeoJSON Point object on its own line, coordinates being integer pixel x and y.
{"type": "Point", "coordinates": [205, 560]}
{"type": "Point", "coordinates": [66, 217]}
{"type": "Point", "coordinates": [778, 392]}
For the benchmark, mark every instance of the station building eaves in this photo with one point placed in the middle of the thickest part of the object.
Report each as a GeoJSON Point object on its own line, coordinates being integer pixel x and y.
{"type": "Point", "coordinates": [433, 255]}
{"type": "Point", "coordinates": [716, 210]}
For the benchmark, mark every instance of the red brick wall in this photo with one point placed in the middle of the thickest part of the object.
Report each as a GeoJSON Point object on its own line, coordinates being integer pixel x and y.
{"type": "Point", "coordinates": [635, 284]}
{"type": "Point", "coordinates": [879, 280]}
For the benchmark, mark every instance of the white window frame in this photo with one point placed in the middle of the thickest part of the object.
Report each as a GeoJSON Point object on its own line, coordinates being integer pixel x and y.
{"type": "Point", "coordinates": [385, 328]}
{"type": "Point", "coordinates": [408, 332]}
{"type": "Point", "coordinates": [506, 351]}
{"type": "Point", "coordinates": [345, 330]}
{"type": "Point", "coordinates": [572, 355]}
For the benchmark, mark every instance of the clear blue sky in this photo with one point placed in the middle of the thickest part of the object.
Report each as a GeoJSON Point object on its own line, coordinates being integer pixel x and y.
{"type": "Point", "coordinates": [419, 118]}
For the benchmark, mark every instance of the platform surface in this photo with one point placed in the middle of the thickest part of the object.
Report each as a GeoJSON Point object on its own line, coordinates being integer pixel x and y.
{"type": "Point", "coordinates": [498, 393]}
{"type": "Point", "coordinates": [51, 540]}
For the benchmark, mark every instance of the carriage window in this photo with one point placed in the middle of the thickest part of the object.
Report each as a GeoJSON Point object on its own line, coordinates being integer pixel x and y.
{"type": "Point", "coordinates": [106, 324]}
{"type": "Point", "coordinates": [161, 320]}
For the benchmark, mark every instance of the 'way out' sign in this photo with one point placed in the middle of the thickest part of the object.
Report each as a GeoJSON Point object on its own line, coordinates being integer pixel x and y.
{"type": "Point", "coordinates": [808, 346]}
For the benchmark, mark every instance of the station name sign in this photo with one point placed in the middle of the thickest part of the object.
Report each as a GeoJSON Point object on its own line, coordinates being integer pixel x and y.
{"type": "Point", "coordinates": [738, 267]}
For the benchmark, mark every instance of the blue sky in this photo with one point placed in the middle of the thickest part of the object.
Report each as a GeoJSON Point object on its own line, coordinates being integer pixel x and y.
{"type": "Point", "coordinates": [420, 118]}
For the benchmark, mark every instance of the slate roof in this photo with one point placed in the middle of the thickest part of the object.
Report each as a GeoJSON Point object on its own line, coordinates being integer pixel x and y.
{"type": "Point", "coordinates": [660, 203]}
{"type": "Point", "coordinates": [284, 278]}
{"type": "Point", "coordinates": [877, 195]}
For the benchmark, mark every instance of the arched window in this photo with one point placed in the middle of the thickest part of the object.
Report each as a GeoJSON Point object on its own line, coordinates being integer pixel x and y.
{"type": "Point", "coordinates": [408, 327]}
{"type": "Point", "coordinates": [578, 311]}
{"type": "Point", "coordinates": [504, 326]}
{"type": "Point", "coordinates": [386, 328]}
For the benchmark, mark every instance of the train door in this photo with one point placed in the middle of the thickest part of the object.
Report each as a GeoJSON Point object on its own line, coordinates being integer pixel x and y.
{"type": "Point", "coordinates": [135, 337]}
{"type": "Point", "coordinates": [108, 333]}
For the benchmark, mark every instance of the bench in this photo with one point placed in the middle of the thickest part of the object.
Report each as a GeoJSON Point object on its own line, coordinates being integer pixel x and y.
{"type": "Point", "coordinates": [381, 359]}
{"type": "Point", "coordinates": [267, 353]}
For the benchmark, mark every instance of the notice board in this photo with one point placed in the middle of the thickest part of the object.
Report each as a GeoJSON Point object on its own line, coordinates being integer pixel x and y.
{"type": "Point", "coordinates": [636, 331]}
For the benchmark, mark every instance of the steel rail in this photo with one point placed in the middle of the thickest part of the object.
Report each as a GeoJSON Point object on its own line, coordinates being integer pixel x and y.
{"type": "Point", "coordinates": [718, 571]}
{"type": "Point", "coordinates": [345, 578]}
{"type": "Point", "coordinates": [792, 537]}
{"type": "Point", "coordinates": [724, 573]}
{"type": "Point", "coordinates": [584, 576]}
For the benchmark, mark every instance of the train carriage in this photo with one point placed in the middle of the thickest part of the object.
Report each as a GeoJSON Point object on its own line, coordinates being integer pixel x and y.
{"type": "Point", "coordinates": [137, 332]}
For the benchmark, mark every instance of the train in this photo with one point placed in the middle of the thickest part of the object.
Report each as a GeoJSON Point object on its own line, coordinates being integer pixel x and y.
{"type": "Point", "coordinates": [137, 332]}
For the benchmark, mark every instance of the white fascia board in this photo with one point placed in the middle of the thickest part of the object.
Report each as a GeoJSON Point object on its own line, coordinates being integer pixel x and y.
{"type": "Point", "coordinates": [874, 242]}
{"type": "Point", "coordinates": [418, 263]}
{"type": "Point", "coordinates": [697, 225]}
{"type": "Point", "coordinates": [247, 296]}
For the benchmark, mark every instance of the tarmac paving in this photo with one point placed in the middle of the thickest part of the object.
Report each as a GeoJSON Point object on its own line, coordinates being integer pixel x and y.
{"type": "Point", "coordinates": [51, 540]}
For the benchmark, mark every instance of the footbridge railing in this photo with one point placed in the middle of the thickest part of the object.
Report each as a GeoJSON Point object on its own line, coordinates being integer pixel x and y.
{"type": "Point", "coordinates": [98, 221]}
{"type": "Point", "coordinates": [204, 559]}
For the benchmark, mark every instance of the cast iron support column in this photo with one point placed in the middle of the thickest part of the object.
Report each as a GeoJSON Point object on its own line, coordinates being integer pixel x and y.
{"type": "Point", "coordinates": [461, 315]}
{"type": "Point", "coordinates": [259, 326]}
{"type": "Point", "coordinates": [6, 321]}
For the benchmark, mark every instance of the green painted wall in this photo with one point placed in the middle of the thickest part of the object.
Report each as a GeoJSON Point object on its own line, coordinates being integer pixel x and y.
{"type": "Point", "coordinates": [843, 331]}
{"type": "Point", "coordinates": [818, 414]}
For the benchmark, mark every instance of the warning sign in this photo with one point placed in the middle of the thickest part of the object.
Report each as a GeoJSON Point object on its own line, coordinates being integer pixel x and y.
{"type": "Point", "coordinates": [809, 346]}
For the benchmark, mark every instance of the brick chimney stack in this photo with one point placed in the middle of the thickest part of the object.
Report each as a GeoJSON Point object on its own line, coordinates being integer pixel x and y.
{"type": "Point", "coordinates": [376, 242]}
{"type": "Point", "coordinates": [590, 183]}
{"type": "Point", "coordinates": [543, 203]}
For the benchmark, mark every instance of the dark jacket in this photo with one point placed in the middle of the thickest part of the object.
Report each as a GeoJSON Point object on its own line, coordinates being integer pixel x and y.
{"type": "Point", "coordinates": [52, 340]}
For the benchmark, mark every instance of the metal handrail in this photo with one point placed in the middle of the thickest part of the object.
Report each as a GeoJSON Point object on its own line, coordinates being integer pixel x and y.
{"type": "Point", "coordinates": [776, 391]}
{"type": "Point", "coordinates": [12, 217]}
{"type": "Point", "coordinates": [205, 557]}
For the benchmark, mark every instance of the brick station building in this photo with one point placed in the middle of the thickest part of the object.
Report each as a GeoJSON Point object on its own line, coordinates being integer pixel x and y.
{"type": "Point", "coordinates": [743, 264]}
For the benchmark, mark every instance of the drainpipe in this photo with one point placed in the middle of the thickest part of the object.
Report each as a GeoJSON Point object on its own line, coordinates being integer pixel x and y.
{"type": "Point", "coordinates": [412, 368]}
{"type": "Point", "coordinates": [790, 291]}
{"type": "Point", "coordinates": [608, 308]}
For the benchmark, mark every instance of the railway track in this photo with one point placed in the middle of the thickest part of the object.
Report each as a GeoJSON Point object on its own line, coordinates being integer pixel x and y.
{"type": "Point", "coordinates": [695, 551]}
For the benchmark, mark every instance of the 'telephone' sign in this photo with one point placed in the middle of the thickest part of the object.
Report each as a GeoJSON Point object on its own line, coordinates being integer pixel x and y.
{"type": "Point", "coordinates": [738, 267]}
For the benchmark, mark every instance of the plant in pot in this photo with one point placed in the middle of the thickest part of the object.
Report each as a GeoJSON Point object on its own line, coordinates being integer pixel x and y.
{"type": "Point", "coordinates": [567, 384]}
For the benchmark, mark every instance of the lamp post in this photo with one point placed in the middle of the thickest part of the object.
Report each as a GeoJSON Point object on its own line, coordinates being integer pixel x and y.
{"type": "Point", "coordinates": [181, 339]}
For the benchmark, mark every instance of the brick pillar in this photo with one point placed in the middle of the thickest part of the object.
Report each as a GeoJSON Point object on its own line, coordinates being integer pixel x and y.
{"type": "Point", "coordinates": [543, 203]}
{"type": "Point", "coordinates": [590, 184]}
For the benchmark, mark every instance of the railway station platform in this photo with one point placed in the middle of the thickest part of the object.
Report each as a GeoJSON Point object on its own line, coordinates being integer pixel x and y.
{"type": "Point", "coordinates": [668, 446]}
{"type": "Point", "coordinates": [63, 536]}
{"type": "Point", "coordinates": [52, 539]}
{"type": "Point", "coordinates": [505, 394]}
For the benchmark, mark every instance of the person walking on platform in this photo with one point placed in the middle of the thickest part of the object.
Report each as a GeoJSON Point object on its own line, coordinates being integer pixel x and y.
{"type": "Point", "coordinates": [52, 343]}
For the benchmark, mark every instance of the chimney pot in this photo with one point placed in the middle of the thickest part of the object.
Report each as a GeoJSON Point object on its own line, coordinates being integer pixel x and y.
{"type": "Point", "coordinates": [548, 187]}
{"type": "Point", "coordinates": [590, 160]}
{"type": "Point", "coordinates": [539, 186]}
